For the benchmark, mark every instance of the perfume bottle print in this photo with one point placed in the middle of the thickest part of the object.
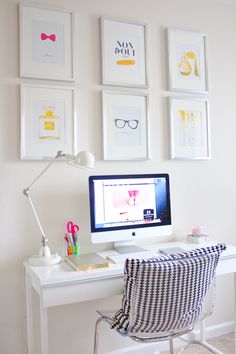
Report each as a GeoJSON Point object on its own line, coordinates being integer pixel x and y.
{"type": "Point", "coordinates": [49, 125]}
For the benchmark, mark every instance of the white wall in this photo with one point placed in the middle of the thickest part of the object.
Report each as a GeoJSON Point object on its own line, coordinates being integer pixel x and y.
{"type": "Point", "coordinates": [203, 192]}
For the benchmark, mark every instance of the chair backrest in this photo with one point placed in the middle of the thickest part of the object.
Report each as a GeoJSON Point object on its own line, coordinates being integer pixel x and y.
{"type": "Point", "coordinates": [166, 294]}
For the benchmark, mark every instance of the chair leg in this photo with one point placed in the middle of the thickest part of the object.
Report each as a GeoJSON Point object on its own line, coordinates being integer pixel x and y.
{"type": "Point", "coordinates": [211, 348]}
{"type": "Point", "coordinates": [96, 335]}
{"type": "Point", "coordinates": [171, 345]}
{"type": "Point", "coordinates": [203, 341]}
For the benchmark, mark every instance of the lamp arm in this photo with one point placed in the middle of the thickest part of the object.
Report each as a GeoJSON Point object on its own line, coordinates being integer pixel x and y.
{"type": "Point", "coordinates": [45, 251]}
{"type": "Point", "coordinates": [59, 155]}
{"type": "Point", "coordinates": [27, 194]}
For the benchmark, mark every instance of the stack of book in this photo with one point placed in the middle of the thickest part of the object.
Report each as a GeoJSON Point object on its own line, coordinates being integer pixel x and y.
{"type": "Point", "coordinates": [86, 261]}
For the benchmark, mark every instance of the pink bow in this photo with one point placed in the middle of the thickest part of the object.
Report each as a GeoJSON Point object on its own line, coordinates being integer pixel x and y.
{"type": "Point", "coordinates": [44, 36]}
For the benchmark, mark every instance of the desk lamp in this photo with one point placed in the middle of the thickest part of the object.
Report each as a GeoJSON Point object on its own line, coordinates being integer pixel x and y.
{"type": "Point", "coordinates": [82, 159]}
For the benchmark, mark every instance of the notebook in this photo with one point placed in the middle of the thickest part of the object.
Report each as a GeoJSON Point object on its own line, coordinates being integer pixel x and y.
{"type": "Point", "coordinates": [86, 261]}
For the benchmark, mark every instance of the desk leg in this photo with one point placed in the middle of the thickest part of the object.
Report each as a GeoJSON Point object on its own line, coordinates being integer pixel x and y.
{"type": "Point", "coordinates": [235, 312]}
{"type": "Point", "coordinates": [29, 313]}
{"type": "Point", "coordinates": [44, 328]}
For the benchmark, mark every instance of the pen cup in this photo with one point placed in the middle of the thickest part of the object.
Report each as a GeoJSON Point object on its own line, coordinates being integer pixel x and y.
{"type": "Point", "coordinates": [71, 245]}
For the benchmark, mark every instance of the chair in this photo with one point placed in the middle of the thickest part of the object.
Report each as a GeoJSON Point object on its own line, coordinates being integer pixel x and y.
{"type": "Point", "coordinates": [165, 297]}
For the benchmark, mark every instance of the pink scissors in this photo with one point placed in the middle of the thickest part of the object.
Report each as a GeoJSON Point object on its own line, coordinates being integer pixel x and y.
{"type": "Point", "coordinates": [72, 228]}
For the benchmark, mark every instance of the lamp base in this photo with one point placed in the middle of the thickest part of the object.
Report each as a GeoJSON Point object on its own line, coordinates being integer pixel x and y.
{"type": "Point", "coordinates": [38, 260]}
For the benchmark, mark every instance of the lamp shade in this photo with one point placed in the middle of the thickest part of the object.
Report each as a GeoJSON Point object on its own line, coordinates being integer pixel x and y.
{"type": "Point", "coordinates": [85, 159]}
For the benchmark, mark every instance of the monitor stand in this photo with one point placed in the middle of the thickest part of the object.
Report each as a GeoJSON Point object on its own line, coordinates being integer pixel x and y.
{"type": "Point", "coordinates": [127, 247]}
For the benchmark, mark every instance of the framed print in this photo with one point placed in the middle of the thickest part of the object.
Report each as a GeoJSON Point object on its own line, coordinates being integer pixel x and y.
{"type": "Point", "coordinates": [125, 126]}
{"type": "Point", "coordinates": [47, 121]}
{"type": "Point", "coordinates": [189, 128]}
{"type": "Point", "coordinates": [187, 65]}
{"type": "Point", "coordinates": [46, 42]}
{"type": "Point", "coordinates": [123, 53]}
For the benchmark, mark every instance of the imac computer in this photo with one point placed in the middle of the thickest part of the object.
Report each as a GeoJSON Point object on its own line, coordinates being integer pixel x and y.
{"type": "Point", "coordinates": [124, 208]}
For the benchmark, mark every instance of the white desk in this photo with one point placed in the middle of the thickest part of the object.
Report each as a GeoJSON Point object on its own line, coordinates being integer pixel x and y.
{"type": "Point", "coordinates": [61, 285]}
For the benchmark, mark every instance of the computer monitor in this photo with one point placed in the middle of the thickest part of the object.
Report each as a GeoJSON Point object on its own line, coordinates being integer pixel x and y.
{"type": "Point", "coordinates": [124, 208]}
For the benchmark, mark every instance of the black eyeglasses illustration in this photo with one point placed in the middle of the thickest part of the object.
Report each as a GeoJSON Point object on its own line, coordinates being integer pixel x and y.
{"type": "Point", "coordinates": [132, 123]}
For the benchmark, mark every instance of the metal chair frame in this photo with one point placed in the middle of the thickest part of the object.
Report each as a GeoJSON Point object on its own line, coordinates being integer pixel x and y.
{"type": "Point", "coordinates": [157, 339]}
{"type": "Point", "coordinates": [158, 336]}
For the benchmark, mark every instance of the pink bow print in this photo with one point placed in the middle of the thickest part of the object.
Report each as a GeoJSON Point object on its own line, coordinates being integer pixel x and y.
{"type": "Point", "coordinates": [44, 36]}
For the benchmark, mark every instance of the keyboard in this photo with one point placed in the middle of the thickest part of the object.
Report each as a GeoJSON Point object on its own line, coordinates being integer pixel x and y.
{"type": "Point", "coordinates": [120, 258]}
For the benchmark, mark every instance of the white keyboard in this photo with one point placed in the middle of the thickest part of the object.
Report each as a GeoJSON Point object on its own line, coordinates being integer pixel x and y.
{"type": "Point", "coordinates": [120, 258]}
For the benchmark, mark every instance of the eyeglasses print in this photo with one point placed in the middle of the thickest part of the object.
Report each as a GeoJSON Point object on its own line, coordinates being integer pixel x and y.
{"type": "Point", "coordinates": [132, 123]}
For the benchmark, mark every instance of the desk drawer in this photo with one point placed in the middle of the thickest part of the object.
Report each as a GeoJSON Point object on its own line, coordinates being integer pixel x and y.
{"type": "Point", "coordinates": [62, 294]}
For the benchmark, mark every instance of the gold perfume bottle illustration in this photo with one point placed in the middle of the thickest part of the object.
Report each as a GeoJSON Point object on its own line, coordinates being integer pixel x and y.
{"type": "Point", "coordinates": [49, 125]}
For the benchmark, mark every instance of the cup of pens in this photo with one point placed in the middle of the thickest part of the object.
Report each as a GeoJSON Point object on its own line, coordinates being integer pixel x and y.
{"type": "Point", "coordinates": [71, 239]}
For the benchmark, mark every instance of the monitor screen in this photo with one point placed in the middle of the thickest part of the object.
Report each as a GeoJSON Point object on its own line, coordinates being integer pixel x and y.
{"type": "Point", "coordinates": [126, 207]}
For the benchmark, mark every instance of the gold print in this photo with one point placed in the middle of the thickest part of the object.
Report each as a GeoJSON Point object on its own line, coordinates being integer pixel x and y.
{"type": "Point", "coordinates": [185, 66]}
{"type": "Point", "coordinates": [189, 117]}
{"type": "Point", "coordinates": [190, 125]}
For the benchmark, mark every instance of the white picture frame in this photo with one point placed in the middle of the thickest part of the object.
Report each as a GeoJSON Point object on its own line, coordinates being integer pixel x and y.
{"type": "Point", "coordinates": [189, 128]}
{"type": "Point", "coordinates": [187, 61]}
{"type": "Point", "coordinates": [48, 121]}
{"type": "Point", "coordinates": [124, 53]}
{"type": "Point", "coordinates": [46, 42]}
{"type": "Point", "coordinates": [125, 126]}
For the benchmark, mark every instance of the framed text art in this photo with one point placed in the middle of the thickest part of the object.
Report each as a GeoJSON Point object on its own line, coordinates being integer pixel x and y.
{"type": "Point", "coordinates": [189, 128]}
{"type": "Point", "coordinates": [187, 64]}
{"type": "Point", "coordinates": [125, 126]}
{"type": "Point", "coordinates": [47, 121]}
{"type": "Point", "coordinates": [123, 53]}
{"type": "Point", "coordinates": [46, 42]}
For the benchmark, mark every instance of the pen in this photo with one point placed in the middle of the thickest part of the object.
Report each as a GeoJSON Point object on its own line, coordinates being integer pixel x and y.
{"type": "Point", "coordinates": [76, 244]}
{"type": "Point", "coordinates": [66, 247]}
{"type": "Point", "coordinates": [69, 248]}
{"type": "Point", "coordinates": [71, 242]}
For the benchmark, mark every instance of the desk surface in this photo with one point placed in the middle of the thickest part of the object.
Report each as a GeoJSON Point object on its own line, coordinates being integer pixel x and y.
{"type": "Point", "coordinates": [62, 273]}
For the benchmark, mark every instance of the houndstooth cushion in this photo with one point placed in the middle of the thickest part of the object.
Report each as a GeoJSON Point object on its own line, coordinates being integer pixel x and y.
{"type": "Point", "coordinates": [166, 293]}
